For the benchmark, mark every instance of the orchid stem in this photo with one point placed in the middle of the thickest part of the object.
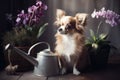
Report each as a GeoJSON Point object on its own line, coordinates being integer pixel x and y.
{"type": "Point", "coordinates": [99, 26]}
{"type": "Point", "coordinates": [31, 18]}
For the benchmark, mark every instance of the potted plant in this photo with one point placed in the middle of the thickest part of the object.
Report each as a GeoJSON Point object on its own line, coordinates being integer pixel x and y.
{"type": "Point", "coordinates": [99, 49]}
{"type": "Point", "coordinates": [97, 44]}
{"type": "Point", "coordinates": [26, 31]}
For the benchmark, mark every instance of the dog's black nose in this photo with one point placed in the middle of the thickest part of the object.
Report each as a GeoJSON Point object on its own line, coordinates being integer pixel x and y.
{"type": "Point", "coordinates": [60, 29]}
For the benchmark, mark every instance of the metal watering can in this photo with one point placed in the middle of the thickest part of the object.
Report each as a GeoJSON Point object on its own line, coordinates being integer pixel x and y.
{"type": "Point", "coordinates": [46, 63]}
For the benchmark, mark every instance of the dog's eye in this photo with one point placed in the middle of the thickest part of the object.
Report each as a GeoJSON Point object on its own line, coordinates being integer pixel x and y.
{"type": "Point", "coordinates": [69, 26]}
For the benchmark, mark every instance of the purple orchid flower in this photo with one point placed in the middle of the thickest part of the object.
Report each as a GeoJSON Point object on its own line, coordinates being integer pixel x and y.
{"type": "Point", "coordinates": [110, 17]}
{"type": "Point", "coordinates": [33, 15]}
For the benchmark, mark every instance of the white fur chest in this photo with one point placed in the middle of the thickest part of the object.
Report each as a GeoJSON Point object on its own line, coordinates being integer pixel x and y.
{"type": "Point", "coordinates": [67, 46]}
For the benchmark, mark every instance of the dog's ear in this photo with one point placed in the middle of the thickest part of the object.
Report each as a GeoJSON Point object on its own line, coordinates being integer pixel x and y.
{"type": "Point", "coordinates": [81, 21]}
{"type": "Point", "coordinates": [59, 14]}
{"type": "Point", "coordinates": [81, 18]}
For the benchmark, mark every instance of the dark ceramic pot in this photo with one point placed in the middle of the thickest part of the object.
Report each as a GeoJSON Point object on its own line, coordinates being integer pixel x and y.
{"type": "Point", "coordinates": [99, 57]}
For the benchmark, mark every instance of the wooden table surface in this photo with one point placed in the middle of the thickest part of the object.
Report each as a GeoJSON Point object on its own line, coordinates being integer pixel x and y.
{"type": "Point", "coordinates": [112, 72]}
{"type": "Point", "coordinates": [109, 73]}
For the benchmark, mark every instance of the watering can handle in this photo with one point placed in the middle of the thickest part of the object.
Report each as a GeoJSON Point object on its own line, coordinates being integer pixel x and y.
{"type": "Point", "coordinates": [29, 51]}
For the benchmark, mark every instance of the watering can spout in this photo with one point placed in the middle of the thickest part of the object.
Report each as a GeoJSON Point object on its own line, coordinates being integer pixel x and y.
{"type": "Point", "coordinates": [23, 54]}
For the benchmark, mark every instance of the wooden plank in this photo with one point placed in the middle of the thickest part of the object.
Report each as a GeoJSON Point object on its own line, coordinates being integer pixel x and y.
{"type": "Point", "coordinates": [4, 76]}
{"type": "Point", "coordinates": [68, 77]}
{"type": "Point", "coordinates": [31, 76]}
{"type": "Point", "coordinates": [109, 73]}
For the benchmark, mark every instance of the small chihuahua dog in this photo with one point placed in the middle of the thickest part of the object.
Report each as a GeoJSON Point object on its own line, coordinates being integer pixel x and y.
{"type": "Point", "coordinates": [70, 41]}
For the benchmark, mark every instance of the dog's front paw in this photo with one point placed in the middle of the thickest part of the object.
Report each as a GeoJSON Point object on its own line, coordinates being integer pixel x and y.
{"type": "Point", "coordinates": [75, 71]}
{"type": "Point", "coordinates": [63, 71]}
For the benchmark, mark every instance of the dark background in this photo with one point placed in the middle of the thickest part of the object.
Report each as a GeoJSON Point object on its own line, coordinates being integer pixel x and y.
{"type": "Point", "coordinates": [13, 7]}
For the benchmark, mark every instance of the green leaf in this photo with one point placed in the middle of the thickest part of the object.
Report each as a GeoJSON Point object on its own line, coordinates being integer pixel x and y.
{"type": "Point", "coordinates": [41, 30]}
{"type": "Point", "coordinates": [103, 36]}
{"type": "Point", "coordinates": [28, 28]}
{"type": "Point", "coordinates": [92, 34]}
{"type": "Point", "coordinates": [87, 42]}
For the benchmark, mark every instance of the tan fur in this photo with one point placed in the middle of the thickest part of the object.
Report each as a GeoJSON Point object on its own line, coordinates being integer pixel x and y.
{"type": "Point", "coordinates": [81, 18]}
{"type": "Point", "coordinates": [70, 42]}
{"type": "Point", "coordinates": [59, 14]}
